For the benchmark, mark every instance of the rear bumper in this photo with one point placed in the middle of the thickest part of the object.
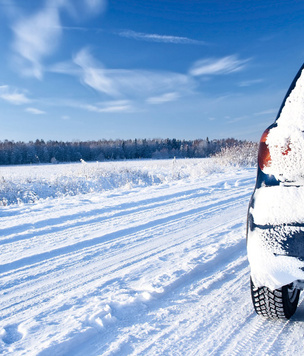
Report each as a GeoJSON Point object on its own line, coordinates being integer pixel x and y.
{"type": "Point", "coordinates": [275, 253]}
{"type": "Point", "coordinates": [285, 239]}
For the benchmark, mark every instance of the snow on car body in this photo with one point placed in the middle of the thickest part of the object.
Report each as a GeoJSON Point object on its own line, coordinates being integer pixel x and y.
{"type": "Point", "coordinates": [275, 228]}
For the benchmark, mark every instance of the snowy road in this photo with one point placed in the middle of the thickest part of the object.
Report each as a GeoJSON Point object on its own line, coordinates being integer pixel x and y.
{"type": "Point", "coordinates": [155, 270]}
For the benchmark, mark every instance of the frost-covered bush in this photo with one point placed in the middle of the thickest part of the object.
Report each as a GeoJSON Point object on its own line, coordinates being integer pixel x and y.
{"type": "Point", "coordinates": [16, 190]}
{"type": "Point", "coordinates": [29, 184]}
{"type": "Point", "coordinates": [242, 155]}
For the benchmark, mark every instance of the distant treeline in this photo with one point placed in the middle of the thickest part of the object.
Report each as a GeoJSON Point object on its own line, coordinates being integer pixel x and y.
{"type": "Point", "coordinates": [53, 151]}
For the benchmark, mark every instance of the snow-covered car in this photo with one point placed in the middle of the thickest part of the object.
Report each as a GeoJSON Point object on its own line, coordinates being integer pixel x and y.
{"type": "Point", "coordinates": [275, 222]}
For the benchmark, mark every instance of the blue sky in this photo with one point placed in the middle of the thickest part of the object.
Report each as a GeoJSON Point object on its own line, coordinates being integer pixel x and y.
{"type": "Point", "coordinates": [94, 69]}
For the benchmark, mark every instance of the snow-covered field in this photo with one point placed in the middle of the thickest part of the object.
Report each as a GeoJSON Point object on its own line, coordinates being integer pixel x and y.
{"type": "Point", "coordinates": [131, 258]}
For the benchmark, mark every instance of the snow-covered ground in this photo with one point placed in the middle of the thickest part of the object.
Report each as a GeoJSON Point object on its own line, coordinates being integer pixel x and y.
{"type": "Point", "coordinates": [131, 258]}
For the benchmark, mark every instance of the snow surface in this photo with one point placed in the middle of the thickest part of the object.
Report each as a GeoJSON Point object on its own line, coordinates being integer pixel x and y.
{"type": "Point", "coordinates": [141, 266]}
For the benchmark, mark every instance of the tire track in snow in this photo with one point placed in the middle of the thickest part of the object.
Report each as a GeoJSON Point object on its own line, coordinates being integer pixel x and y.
{"type": "Point", "coordinates": [177, 234]}
{"type": "Point", "coordinates": [160, 228]}
{"type": "Point", "coordinates": [33, 259]}
{"type": "Point", "coordinates": [168, 298]}
{"type": "Point", "coordinates": [140, 205]}
{"type": "Point", "coordinates": [68, 285]}
{"type": "Point", "coordinates": [191, 317]}
{"type": "Point", "coordinates": [69, 281]}
{"type": "Point", "coordinates": [84, 212]}
{"type": "Point", "coordinates": [261, 335]}
{"type": "Point", "coordinates": [258, 337]}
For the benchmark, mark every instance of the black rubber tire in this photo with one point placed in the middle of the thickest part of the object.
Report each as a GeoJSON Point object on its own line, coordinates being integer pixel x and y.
{"type": "Point", "coordinates": [278, 304]}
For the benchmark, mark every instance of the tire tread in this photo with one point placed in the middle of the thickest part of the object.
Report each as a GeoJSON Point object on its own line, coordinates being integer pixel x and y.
{"type": "Point", "coordinates": [273, 304]}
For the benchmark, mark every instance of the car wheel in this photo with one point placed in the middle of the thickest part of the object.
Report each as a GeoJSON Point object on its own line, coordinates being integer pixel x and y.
{"type": "Point", "coordinates": [278, 304]}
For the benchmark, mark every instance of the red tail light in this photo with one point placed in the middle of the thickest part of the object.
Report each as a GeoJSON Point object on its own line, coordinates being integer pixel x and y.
{"type": "Point", "coordinates": [285, 152]}
{"type": "Point", "coordinates": [264, 157]}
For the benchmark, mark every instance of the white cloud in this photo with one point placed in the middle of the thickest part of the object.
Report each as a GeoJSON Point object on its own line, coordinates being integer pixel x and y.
{"type": "Point", "coordinates": [35, 111]}
{"type": "Point", "coordinates": [247, 83]}
{"type": "Point", "coordinates": [212, 66]}
{"type": "Point", "coordinates": [167, 97]}
{"type": "Point", "coordinates": [83, 9]}
{"type": "Point", "coordinates": [111, 107]}
{"type": "Point", "coordinates": [266, 112]}
{"type": "Point", "coordinates": [145, 84]}
{"type": "Point", "coordinates": [36, 37]}
{"type": "Point", "coordinates": [159, 38]}
{"type": "Point", "coordinates": [76, 28]}
{"type": "Point", "coordinates": [93, 74]}
{"type": "Point", "coordinates": [13, 96]}
{"type": "Point", "coordinates": [66, 67]}
{"type": "Point", "coordinates": [95, 6]}
{"type": "Point", "coordinates": [237, 119]}
{"type": "Point", "coordinates": [121, 83]}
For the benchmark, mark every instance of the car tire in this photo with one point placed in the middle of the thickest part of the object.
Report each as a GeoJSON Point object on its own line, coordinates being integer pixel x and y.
{"type": "Point", "coordinates": [277, 304]}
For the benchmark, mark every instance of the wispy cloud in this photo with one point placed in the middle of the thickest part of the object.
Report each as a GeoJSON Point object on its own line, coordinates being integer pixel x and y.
{"type": "Point", "coordinates": [266, 112]}
{"type": "Point", "coordinates": [83, 8]}
{"type": "Point", "coordinates": [38, 35]}
{"type": "Point", "coordinates": [35, 111]}
{"type": "Point", "coordinates": [126, 84]}
{"type": "Point", "coordinates": [248, 83]}
{"type": "Point", "coordinates": [75, 28]}
{"type": "Point", "coordinates": [95, 6]}
{"type": "Point", "coordinates": [66, 67]}
{"type": "Point", "coordinates": [107, 106]}
{"type": "Point", "coordinates": [167, 97]}
{"type": "Point", "coordinates": [158, 38]}
{"type": "Point", "coordinates": [217, 66]}
{"type": "Point", "coordinates": [144, 84]}
{"type": "Point", "coordinates": [237, 119]}
{"type": "Point", "coordinates": [93, 73]}
{"type": "Point", "coordinates": [13, 96]}
{"type": "Point", "coordinates": [111, 107]}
